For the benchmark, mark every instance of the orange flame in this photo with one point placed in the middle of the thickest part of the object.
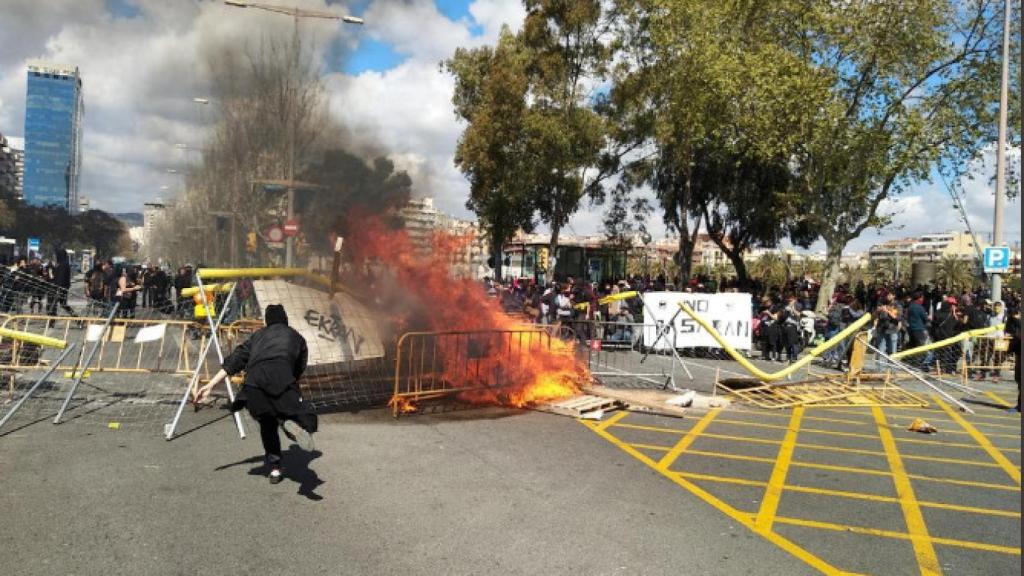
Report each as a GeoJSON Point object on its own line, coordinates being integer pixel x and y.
{"type": "Point", "coordinates": [420, 292]}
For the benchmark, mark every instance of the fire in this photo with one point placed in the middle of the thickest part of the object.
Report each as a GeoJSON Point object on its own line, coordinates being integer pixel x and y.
{"type": "Point", "coordinates": [421, 295]}
{"type": "Point", "coordinates": [403, 404]}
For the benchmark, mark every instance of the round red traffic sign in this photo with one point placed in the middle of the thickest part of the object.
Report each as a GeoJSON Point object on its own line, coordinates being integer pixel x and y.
{"type": "Point", "coordinates": [275, 234]}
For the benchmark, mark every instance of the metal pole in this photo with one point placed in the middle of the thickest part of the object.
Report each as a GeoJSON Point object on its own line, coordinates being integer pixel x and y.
{"type": "Point", "coordinates": [170, 428]}
{"type": "Point", "coordinates": [220, 354]}
{"type": "Point", "coordinates": [35, 386]}
{"type": "Point", "coordinates": [289, 251]}
{"type": "Point", "coordinates": [88, 362]}
{"type": "Point", "coordinates": [997, 230]}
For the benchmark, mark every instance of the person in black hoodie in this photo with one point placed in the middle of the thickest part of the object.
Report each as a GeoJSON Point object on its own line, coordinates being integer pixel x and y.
{"type": "Point", "coordinates": [273, 359]}
{"type": "Point", "coordinates": [59, 276]}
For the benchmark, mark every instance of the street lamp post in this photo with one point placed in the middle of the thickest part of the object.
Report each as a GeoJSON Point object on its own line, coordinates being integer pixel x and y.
{"type": "Point", "coordinates": [997, 229]}
{"type": "Point", "coordinates": [296, 14]}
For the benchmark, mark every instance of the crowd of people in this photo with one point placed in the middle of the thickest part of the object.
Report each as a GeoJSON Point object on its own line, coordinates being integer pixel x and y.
{"type": "Point", "coordinates": [785, 321]}
{"type": "Point", "coordinates": [38, 286]}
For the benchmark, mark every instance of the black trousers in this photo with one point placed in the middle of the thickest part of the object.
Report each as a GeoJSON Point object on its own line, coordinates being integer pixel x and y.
{"type": "Point", "coordinates": [270, 437]}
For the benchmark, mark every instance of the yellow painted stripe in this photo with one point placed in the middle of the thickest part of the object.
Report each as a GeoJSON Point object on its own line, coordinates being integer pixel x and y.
{"type": "Point", "coordinates": [612, 420]}
{"type": "Point", "coordinates": [897, 535]}
{"type": "Point", "coordinates": [938, 417]}
{"type": "Point", "coordinates": [983, 441]}
{"type": "Point", "coordinates": [650, 428]}
{"type": "Point", "coordinates": [935, 443]}
{"type": "Point", "coordinates": [1000, 400]}
{"type": "Point", "coordinates": [927, 561]}
{"type": "Point", "coordinates": [772, 496]}
{"type": "Point", "coordinates": [850, 495]}
{"type": "Point", "coordinates": [687, 440]}
{"type": "Point", "coordinates": [839, 449]}
{"type": "Point", "coordinates": [766, 414]}
{"type": "Point", "coordinates": [740, 517]}
{"type": "Point", "coordinates": [971, 483]}
{"type": "Point", "coordinates": [721, 479]}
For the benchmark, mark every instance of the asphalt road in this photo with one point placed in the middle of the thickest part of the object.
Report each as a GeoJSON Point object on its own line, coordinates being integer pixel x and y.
{"type": "Point", "coordinates": [474, 492]}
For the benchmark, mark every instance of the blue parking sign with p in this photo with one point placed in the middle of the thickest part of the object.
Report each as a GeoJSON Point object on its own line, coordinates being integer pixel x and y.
{"type": "Point", "coordinates": [997, 260]}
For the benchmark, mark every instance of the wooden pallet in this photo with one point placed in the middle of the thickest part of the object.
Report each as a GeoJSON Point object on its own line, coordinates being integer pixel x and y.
{"type": "Point", "coordinates": [581, 406]}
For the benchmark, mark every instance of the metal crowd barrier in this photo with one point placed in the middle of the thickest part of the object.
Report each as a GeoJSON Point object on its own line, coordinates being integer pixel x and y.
{"type": "Point", "coordinates": [986, 355]}
{"type": "Point", "coordinates": [129, 346]}
{"type": "Point", "coordinates": [433, 365]}
{"type": "Point", "coordinates": [615, 354]}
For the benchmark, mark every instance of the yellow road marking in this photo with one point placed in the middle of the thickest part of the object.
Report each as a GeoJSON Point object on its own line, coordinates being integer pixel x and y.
{"type": "Point", "coordinates": [612, 420]}
{"type": "Point", "coordinates": [666, 461]}
{"type": "Point", "coordinates": [651, 428]}
{"type": "Point", "coordinates": [927, 561]}
{"type": "Point", "coordinates": [850, 469]}
{"type": "Point", "coordinates": [827, 448]}
{"type": "Point", "coordinates": [936, 417]}
{"type": "Point", "coordinates": [971, 483]}
{"type": "Point", "coordinates": [721, 479]}
{"type": "Point", "coordinates": [850, 495]}
{"type": "Point", "coordinates": [897, 535]}
{"type": "Point", "coordinates": [984, 442]}
{"type": "Point", "coordinates": [1000, 400]}
{"type": "Point", "coordinates": [772, 496]}
{"type": "Point", "coordinates": [765, 413]}
{"type": "Point", "coordinates": [811, 431]}
{"type": "Point", "coordinates": [744, 519]}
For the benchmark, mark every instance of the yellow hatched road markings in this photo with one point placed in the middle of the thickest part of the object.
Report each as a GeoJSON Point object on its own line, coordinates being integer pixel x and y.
{"type": "Point", "coordinates": [927, 561]}
{"type": "Point", "coordinates": [744, 519]}
{"type": "Point", "coordinates": [898, 535]}
{"type": "Point", "coordinates": [666, 461]}
{"type": "Point", "coordinates": [772, 496]}
{"type": "Point", "coordinates": [981, 418]}
{"type": "Point", "coordinates": [765, 518]}
{"type": "Point", "coordinates": [827, 448]}
{"type": "Point", "coordinates": [1012, 470]}
{"type": "Point", "coordinates": [850, 495]}
{"type": "Point", "coordinates": [809, 431]}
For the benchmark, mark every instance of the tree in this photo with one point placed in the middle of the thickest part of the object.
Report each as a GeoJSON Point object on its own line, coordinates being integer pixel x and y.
{"type": "Point", "coordinates": [956, 274]}
{"type": "Point", "coordinates": [566, 57]}
{"type": "Point", "coordinates": [493, 152]}
{"type": "Point", "coordinates": [770, 269]}
{"type": "Point", "coordinates": [708, 90]}
{"type": "Point", "coordinates": [910, 87]}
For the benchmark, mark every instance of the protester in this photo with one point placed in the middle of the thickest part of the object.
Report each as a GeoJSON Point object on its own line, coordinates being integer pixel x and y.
{"type": "Point", "coordinates": [274, 358]}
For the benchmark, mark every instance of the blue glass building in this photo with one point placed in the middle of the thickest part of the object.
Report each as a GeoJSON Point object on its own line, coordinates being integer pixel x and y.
{"type": "Point", "coordinates": [53, 136]}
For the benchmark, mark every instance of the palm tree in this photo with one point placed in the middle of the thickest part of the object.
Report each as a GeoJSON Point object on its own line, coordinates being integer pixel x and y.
{"type": "Point", "coordinates": [770, 269]}
{"type": "Point", "coordinates": [955, 273]}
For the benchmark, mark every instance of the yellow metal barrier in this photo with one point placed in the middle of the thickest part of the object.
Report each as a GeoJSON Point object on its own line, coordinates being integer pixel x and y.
{"type": "Point", "coordinates": [793, 368]}
{"type": "Point", "coordinates": [948, 341]}
{"type": "Point", "coordinates": [237, 273]}
{"type": "Point", "coordinates": [170, 351]}
{"type": "Point", "coordinates": [431, 365]}
{"type": "Point", "coordinates": [31, 338]}
{"type": "Point", "coordinates": [222, 288]}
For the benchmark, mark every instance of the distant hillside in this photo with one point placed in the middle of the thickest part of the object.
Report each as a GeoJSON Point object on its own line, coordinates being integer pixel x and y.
{"type": "Point", "coordinates": [130, 219]}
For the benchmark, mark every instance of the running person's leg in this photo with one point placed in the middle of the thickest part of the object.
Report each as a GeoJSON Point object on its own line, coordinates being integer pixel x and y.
{"type": "Point", "coordinates": [271, 445]}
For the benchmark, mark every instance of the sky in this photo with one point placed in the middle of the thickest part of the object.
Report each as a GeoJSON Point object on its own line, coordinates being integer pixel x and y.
{"type": "Point", "coordinates": [140, 65]}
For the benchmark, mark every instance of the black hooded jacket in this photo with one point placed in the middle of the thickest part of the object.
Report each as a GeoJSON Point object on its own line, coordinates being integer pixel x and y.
{"type": "Point", "coordinates": [273, 359]}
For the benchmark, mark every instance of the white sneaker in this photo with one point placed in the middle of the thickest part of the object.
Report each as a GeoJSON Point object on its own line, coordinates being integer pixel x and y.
{"type": "Point", "coordinates": [275, 476]}
{"type": "Point", "coordinates": [299, 435]}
